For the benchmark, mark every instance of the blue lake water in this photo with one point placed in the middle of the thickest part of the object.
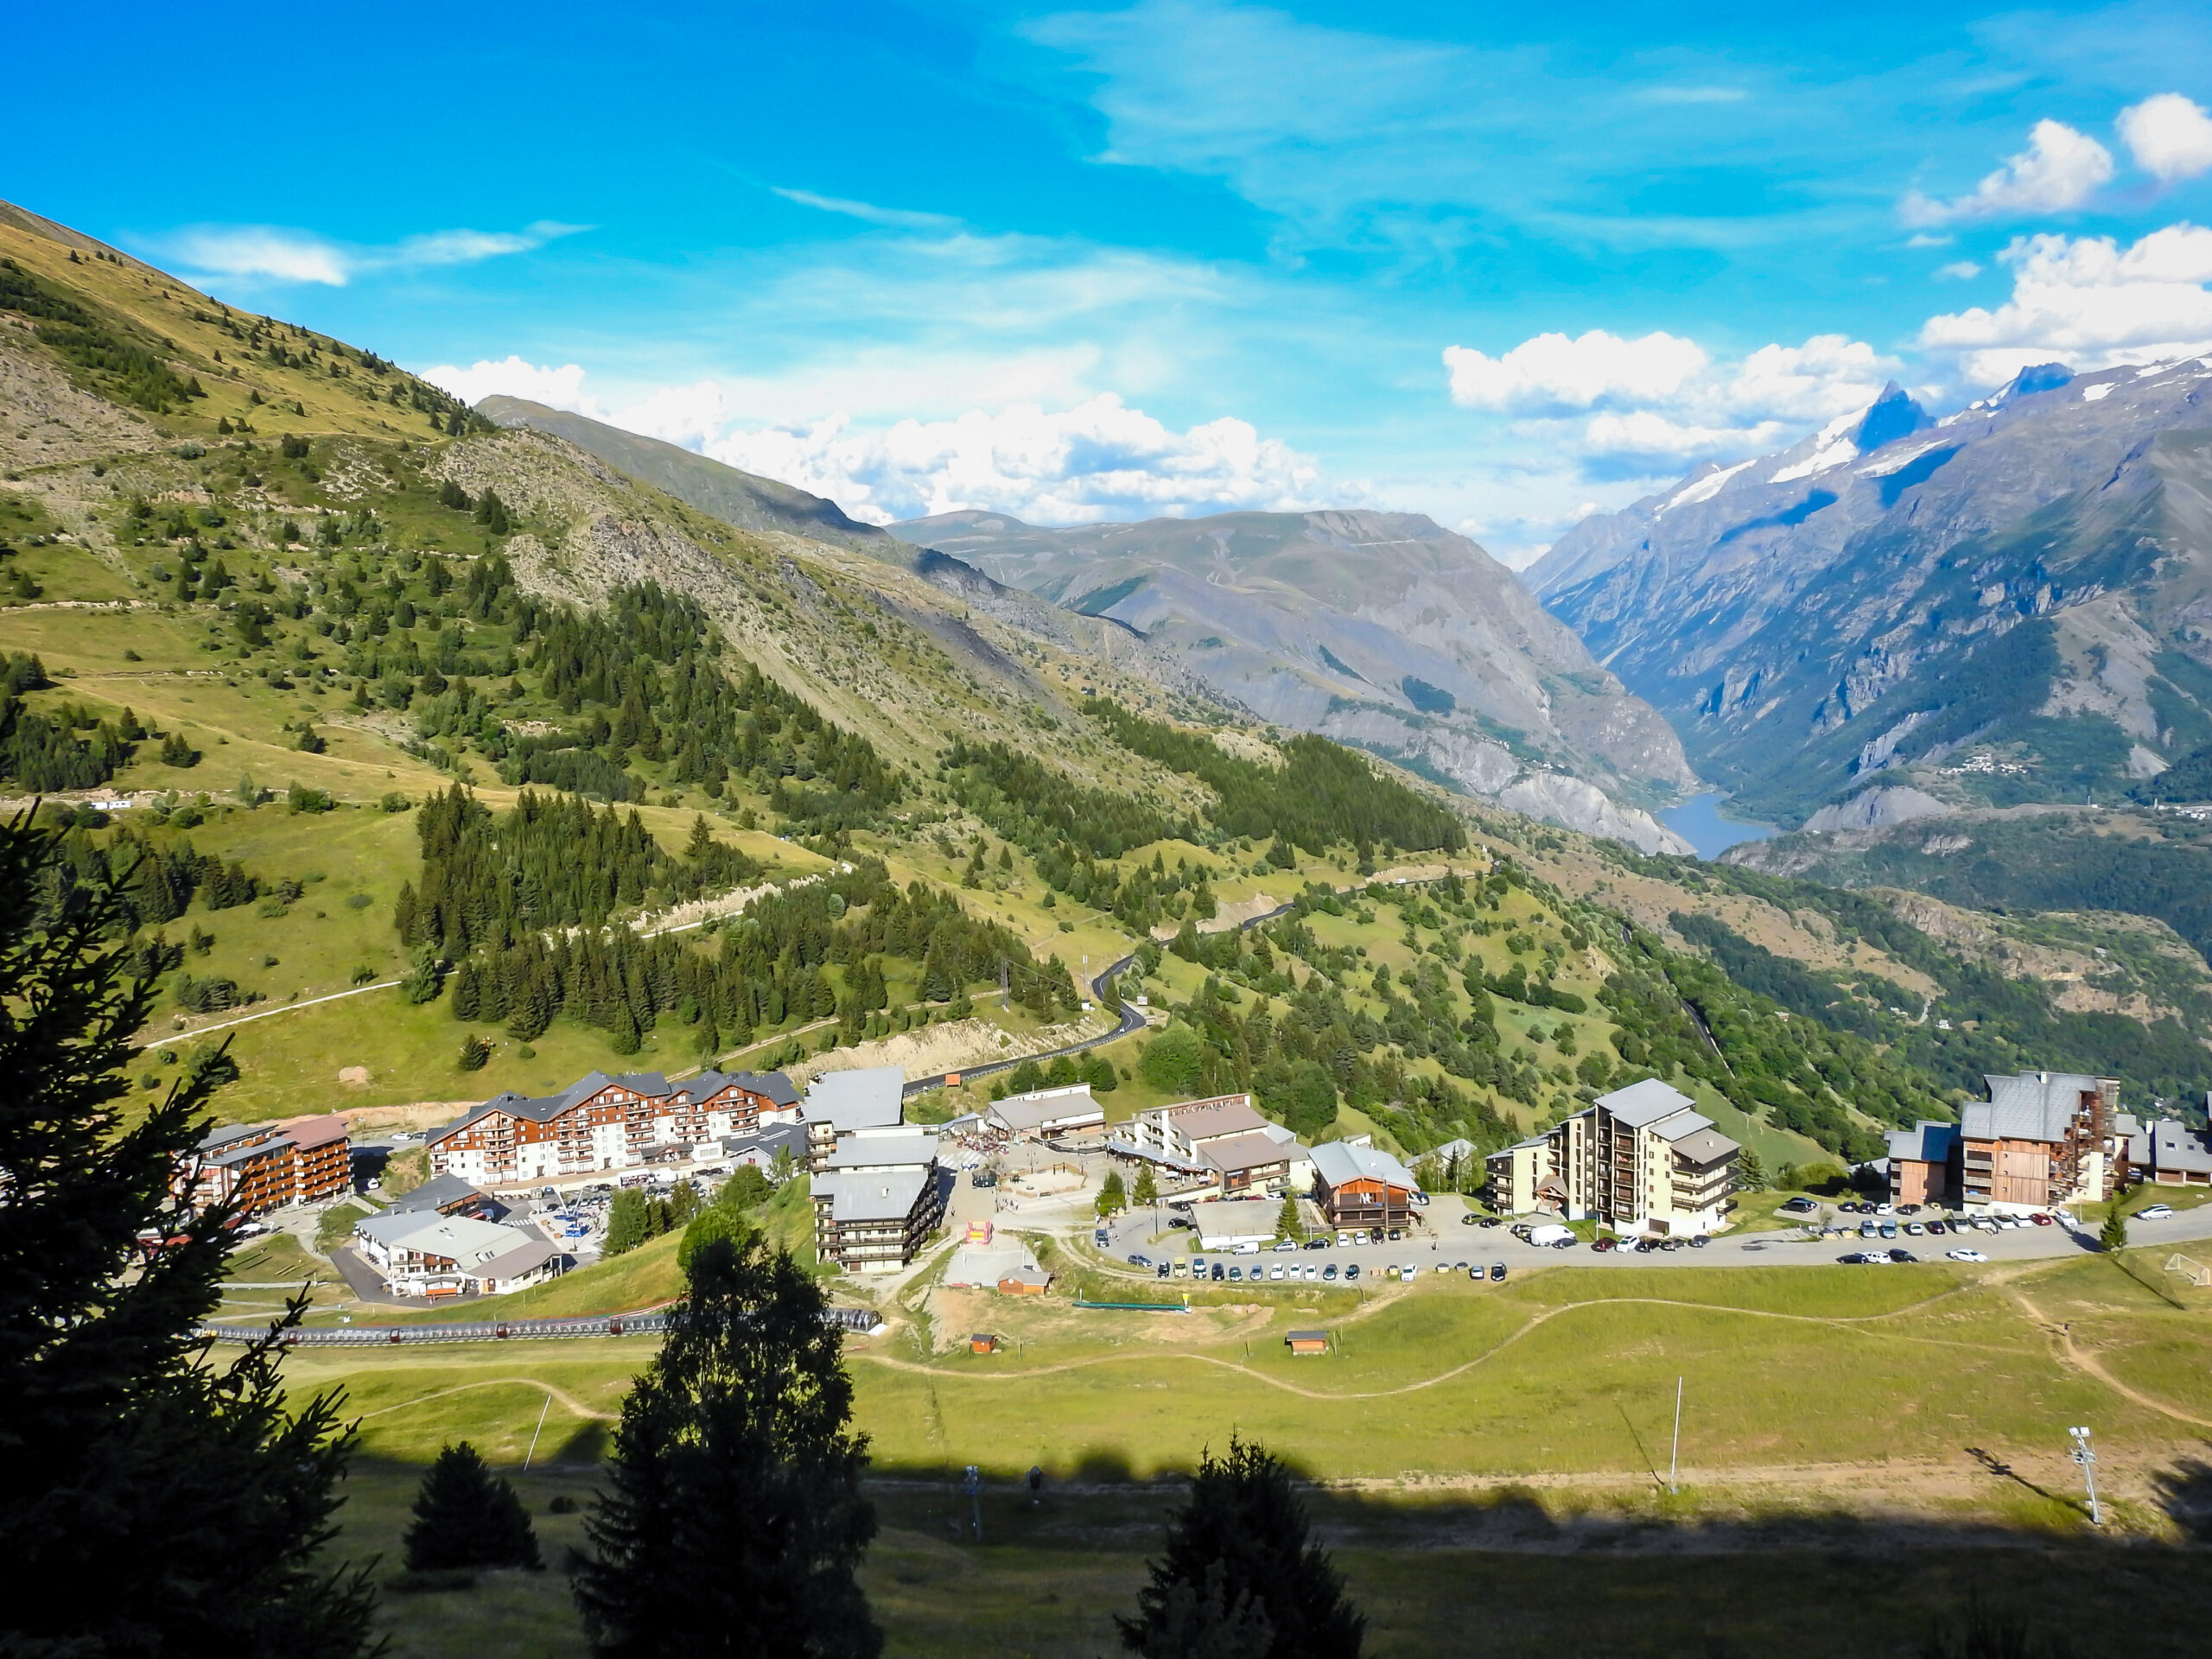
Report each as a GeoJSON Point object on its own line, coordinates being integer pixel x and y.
{"type": "Point", "coordinates": [1699, 821]}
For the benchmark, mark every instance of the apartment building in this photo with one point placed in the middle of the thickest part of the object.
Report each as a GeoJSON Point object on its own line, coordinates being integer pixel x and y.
{"type": "Point", "coordinates": [1173, 1134]}
{"type": "Point", "coordinates": [1643, 1161]}
{"type": "Point", "coordinates": [2042, 1138]}
{"type": "Point", "coordinates": [838, 1103]}
{"type": "Point", "coordinates": [601, 1122]}
{"type": "Point", "coordinates": [2166, 1151]}
{"type": "Point", "coordinates": [255, 1168]}
{"type": "Point", "coordinates": [1923, 1162]}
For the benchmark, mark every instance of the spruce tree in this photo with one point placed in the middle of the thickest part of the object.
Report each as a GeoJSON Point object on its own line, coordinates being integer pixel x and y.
{"type": "Point", "coordinates": [184, 1494]}
{"type": "Point", "coordinates": [465, 1516]}
{"type": "Point", "coordinates": [731, 1522]}
{"type": "Point", "coordinates": [1241, 1577]}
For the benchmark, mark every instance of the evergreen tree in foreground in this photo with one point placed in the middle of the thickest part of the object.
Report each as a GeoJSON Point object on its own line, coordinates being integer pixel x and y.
{"type": "Point", "coordinates": [182, 1495]}
{"type": "Point", "coordinates": [1241, 1577]}
{"type": "Point", "coordinates": [733, 1520]}
{"type": "Point", "coordinates": [465, 1516]}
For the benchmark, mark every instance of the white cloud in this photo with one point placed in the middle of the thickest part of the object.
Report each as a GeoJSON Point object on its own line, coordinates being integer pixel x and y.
{"type": "Point", "coordinates": [1552, 372]}
{"type": "Point", "coordinates": [557, 388]}
{"type": "Point", "coordinates": [1959, 271]}
{"type": "Point", "coordinates": [897, 219]}
{"type": "Point", "coordinates": [2170, 137]}
{"type": "Point", "coordinates": [270, 253]}
{"type": "Point", "coordinates": [1656, 402]}
{"type": "Point", "coordinates": [1097, 460]}
{"type": "Point", "coordinates": [2089, 303]}
{"type": "Point", "coordinates": [2061, 168]}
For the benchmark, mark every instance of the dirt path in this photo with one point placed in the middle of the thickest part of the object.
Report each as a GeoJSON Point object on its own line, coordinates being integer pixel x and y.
{"type": "Point", "coordinates": [2089, 1365]}
{"type": "Point", "coordinates": [567, 1400]}
{"type": "Point", "coordinates": [1841, 1321]}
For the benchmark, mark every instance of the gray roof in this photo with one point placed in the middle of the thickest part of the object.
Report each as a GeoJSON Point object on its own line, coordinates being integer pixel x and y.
{"type": "Point", "coordinates": [883, 1195]}
{"type": "Point", "coordinates": [2177, 1146]}
{"type": "Point", "coordinates": [1705, 1145]}
{"type": "Point", "coordinates": [1205, 1122]}
{"type": "Point", "coordinates": [1926, 1142]}
{"type": "Point", "coordinates": [217, 1139]}
{"type": "Point", "coordinates": [864, 1099]}
{"type": "Point", "coordinates": [461, 1237]}
{"type": "Point", "coordinates": [769, 1085]}
{"type": "Point", "coordinates": [1642, 1104]}
{"type": "Point", "coordinates": [770, 1138]}
{"type": "Point", "coordinates": [1337, 1162]}
{"type": "Point", "coordinates": [523, 1258]}
{"type": "Point", "coordinates": [434, 1194]}
{"type": "Point", "coordinates": [2030, 1106]}
{"type": "Point", "coordinates": [1166, 1160]}
{"type": "Point", "coordinates": [1253, 1151]}
{"type": "Point", "coordinates": [1034, 1111]}
{"type": "Point", "coordinates": [885, 1151]}
{"type": "Point", "coordinates": [247, 1153]}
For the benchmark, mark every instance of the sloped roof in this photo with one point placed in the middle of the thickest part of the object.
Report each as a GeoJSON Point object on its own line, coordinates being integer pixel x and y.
{"type": "Point", "coordinates": [434, 1194]}
{"type": "Point", "coordinates": [2176, 1145]}
{"type": "Point", "coordinates": [1705, 1145]}
{"type": "Point", "coordinates": [1925, 1142]}
{"type": "Point", "coordinates": [1642, 1104]}
{"type": "Point", "coordinates": [773, 1086]}
{"type": "Point", "coordinates": [308, 1133]}
{"type": "Point", "coordinates": [1031, 1111]}
{"type": "Point", "coordinates": [2027, 1106]}
{"type": "Point", "coordinates": [869, 1099]}
{"type": "Point", "coordinates": [1253, 1151]}
{"type": "Point", "coordinates": [523, 1258]}
{"type": "Point", "coordinates": [884, 1195]}
{"type": "Point", "coordinates": [1228, 1117]}
{"type": "Point", "coordinates": [463, 1238]}
{"type": "Point", "coordinates": [1337, 1162]}
{"type": "Point", "coordinates": [916, 1148]}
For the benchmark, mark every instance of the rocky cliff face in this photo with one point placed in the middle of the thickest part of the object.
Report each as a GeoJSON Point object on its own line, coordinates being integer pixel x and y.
{"type": "Point", "coordinates": [2013, 603]}
{"type": "Point", "coordinates": [1382, 630]}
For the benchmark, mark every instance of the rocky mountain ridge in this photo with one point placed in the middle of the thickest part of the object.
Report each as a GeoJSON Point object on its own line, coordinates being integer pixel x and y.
{"type": "Point", "coordinates": [2011, 603]}
{"type": "Point", "coordinates": [1379, 630]}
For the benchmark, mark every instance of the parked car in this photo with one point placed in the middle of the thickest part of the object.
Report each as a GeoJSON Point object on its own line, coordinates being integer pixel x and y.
{"type": "Point", "coordinates": [1937, 1227]}
{"type": "Point", "coordinates": [1601, 1245]}
{"type": "Point", "coordinates": [1698, 1241]}
{"type": "Point", "coordinates": [2040, 1219]}
{"type": "Point", "coordinates": [1493, 1221]}
{"type": "Point", "coordinates": [1140, 1261]}
{"type": "Point", "coordinates": [1902, 1255]}
{"type": "Point", "coordinates": [1218, 1274]}
{"type": "Point", "coordinates": [1411, 1270]}
{"type": "Point", "coordinates": [1914, 1229]}
{"type": "Point", "coordinates": [1344, 1238]}
{"type": "Point", "coordinates": [982, 1178]}
{"type": "Point", "coordinates": [1351, 1271]}
{"type": "Point", "coordinates": [1967, 1255]}
{"type": "Point", "coordinates": [1396, 1235]}
{"type": "Point", "coordinates": [1497, 1272]}
{"type": "Point", "coordinates": [1800, 1205]}
{"type": "Point", "coordinates": [1285, 1244]}
{"type": "Point", "coordinates": [1163, 1270]}
{"type": "Point", "coordinates": [1470, 1219]}
{"type": "Point", "coordinates": [2154, 1212]}
{"type": "Point", "coordinates": [1329, 1273]}
{"type": "Point", "coordinates": [1275, 1272]}
{"type": "Point", "coordinates": [1238, 1274]}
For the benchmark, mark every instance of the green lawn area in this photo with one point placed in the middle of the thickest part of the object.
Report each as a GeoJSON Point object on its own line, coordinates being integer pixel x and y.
{"type": "Point", "coordinates": [1564, 1376]}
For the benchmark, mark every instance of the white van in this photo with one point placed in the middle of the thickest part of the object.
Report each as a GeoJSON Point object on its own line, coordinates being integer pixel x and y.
{"type": "Point", "coordinates": [1549, 1234]}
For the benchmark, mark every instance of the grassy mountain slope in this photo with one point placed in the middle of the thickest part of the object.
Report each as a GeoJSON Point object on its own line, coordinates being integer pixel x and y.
{"type": "Point", "coordinates": [279, 641]}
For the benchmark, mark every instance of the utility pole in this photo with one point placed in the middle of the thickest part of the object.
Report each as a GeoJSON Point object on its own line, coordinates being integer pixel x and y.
{"type": "Point", "coordinates": [1673, 1456]}
{"type": "Point", "coordinates": [534, 1433]}
{"type": "Point", "coordinates": [2086, 1455]}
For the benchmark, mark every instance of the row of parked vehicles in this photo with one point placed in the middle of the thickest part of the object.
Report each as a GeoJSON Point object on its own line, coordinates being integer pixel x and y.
{"type": "Point", "coordinates": [1218, 1272]}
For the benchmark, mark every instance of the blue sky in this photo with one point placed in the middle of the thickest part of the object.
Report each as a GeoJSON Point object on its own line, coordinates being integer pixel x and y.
{"type": "Point", "coordinates": [1495, 264]}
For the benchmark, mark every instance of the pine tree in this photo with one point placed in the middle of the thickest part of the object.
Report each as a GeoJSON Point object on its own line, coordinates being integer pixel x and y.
{"type": "Point", "coordinates": [468, 992]}
{"type": "Point", "coordinates": [1288, 1223]}
{"type": "Point", "coordinates": [467, 1516]}
{"type": "Point", "coordinates": [2114, 1234]}
{"type": "Point", "coordinates": [474, 1053]}
{"type": "Point", "coordinates": [1241, 1576]}
{"type": "Point", "coordinates": [731, 1522]}
{"type": "Point", "coordinates": [629, 1222]}
{"type": "Point", "coordinates": [188, 1493]}
{"type": "Point", "coordinates": [1147, 1189]}
{"type": "Point", "coordinates": [1111, 1194]}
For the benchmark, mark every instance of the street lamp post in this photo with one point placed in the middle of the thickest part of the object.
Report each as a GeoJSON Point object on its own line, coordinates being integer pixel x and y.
{"type": "Point", "coordinates": [2086, 1455]}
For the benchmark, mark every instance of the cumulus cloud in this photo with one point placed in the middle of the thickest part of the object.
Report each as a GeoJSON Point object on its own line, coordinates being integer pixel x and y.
{"type": "Point", "coordinates": [1552, 373]}
{"type": "Point", "coordinates": [1100, 459]}
{"type": "Point", "coordinates": [1097, 459]}
{"type": "Point", "coordinates": [269, 253]}
{"type": "Point", "coordinates": [2089, 303]}
{"type": "Point", "coordinates": [2170, 137]}
{"type": "Point", "coordinates": [2061, 168]}
{"type": "Point", "coordinates": [1627, 406]}
{"type": "Point", "coordinates": [1959, 271]}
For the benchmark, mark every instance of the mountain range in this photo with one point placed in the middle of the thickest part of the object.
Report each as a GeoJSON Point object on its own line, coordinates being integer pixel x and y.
{"type": "Point", "coordinates": [1905, 616]}
{"type": "Point", "coordinates": [1380, 630]}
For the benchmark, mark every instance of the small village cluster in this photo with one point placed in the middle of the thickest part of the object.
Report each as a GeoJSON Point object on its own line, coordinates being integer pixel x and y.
{"type": "Point", "coordinates": [1642, 1161]}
